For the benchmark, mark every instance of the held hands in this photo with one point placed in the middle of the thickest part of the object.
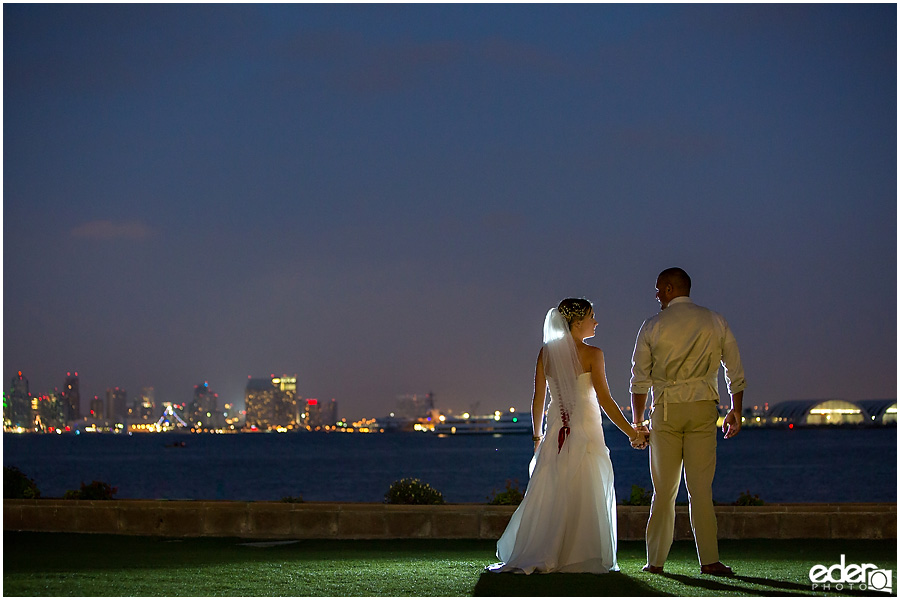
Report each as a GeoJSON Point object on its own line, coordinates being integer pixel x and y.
{"type": "Point", "coordinates": [732, 425]}
{"type": "Point", "coordinates": [642, 439]}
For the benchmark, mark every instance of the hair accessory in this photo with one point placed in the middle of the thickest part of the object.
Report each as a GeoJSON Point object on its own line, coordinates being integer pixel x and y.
{"type": "Point", "coordinates": [574, 309]}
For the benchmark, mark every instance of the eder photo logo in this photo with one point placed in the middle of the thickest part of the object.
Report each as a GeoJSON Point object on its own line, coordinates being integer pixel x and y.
{"type": "Point", "coordinates": [841, 576]}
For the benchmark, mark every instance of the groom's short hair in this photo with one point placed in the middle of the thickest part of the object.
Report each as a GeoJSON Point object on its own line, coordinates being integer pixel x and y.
{"type": "Point", "coordinates": [678, 278]}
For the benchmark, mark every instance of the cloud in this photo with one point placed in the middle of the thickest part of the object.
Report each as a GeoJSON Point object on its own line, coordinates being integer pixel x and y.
{"type": "Point", "coordinates": [111, 230]}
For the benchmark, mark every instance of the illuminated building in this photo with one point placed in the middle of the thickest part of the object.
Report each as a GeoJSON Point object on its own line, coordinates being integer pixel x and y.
{"type": "Point", "coordinates": [832, 412]}
{"type": "Point", "coordinates": [202, 412]}
{"type": "Point", "coordinates": [116, 404]}
{"type": "Point", "coordinates": [837, 412]}
{"type": "Point", "coordinates": [231, 416]}
{"type": "Point", "coordinates": [312, 415]}
{"type": "Point", "coordinates": [414, 406]}
{"type": "Point", "coordinates": [287, 413]}
{"type": "Point", "coordinates": [97, 411]}
{"type": "Point", "coordinates": [141, 409]}
{"type": "Point", "coordinates": [17, 409]}
{"type": "Point", "coordinates": [271, 403]}
{"type": "Point", "coordinates": [879, 412]}
{"type": "Point", "coordinates": [330, 412]}
{"type": "Point", "coordinates": [170, 419]}
{"type": "Point", "coordinates": [49, 412]}
{"type": "Point", "coordinates": [71, 397]}
{"type": "Point", "coordinates": [318, 415]}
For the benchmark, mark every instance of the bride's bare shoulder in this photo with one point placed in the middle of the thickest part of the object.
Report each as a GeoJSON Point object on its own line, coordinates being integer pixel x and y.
{"type": "Point", "coordinates": [595, 353]}
{"type": "Point", "coordinates": [590, 356]}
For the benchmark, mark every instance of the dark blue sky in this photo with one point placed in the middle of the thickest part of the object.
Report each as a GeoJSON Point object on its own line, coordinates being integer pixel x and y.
{"type": "Point", "coordinates": [387, 199]}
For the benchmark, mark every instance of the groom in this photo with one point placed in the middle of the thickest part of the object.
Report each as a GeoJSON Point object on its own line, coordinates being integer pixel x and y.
{"type": "Point", "coordinates": [677, 356]}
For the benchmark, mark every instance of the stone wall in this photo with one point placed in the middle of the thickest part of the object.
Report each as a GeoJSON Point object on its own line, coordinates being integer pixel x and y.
{"type": "Point", "coordinates": [281, 520]}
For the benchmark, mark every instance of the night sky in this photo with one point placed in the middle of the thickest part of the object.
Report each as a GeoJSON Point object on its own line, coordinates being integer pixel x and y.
{"type": "Point", "coordinates": [386, 200]}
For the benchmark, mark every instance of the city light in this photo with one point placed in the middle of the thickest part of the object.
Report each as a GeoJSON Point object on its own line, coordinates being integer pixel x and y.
{"type": "Point", "coordinates": [274, 405]}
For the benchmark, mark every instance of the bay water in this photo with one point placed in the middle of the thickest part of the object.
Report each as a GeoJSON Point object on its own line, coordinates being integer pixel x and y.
{"type": "Point", "coordinates": [778, 465]}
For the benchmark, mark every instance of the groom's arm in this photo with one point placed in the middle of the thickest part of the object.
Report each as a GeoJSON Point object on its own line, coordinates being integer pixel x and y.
{"type": "Point", "coordinates": [641, 365]}
{"type": "Point", "coordinates": [638, 404]}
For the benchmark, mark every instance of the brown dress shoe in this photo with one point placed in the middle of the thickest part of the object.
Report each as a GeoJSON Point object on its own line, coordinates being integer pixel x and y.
{"type": "Point", "coordinates": [651, 569]}
{"type": "Point", "coordinates": [716, 568]}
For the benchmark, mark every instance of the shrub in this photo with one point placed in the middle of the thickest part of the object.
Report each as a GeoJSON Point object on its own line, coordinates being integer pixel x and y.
{"type": "Point", "coordinates": [96, 490]}
{"type": "Point", "coordinates": [745, 499]}
{"type": "Point", "coordinates": [16, 485]}
{"type": "Point", "coordinates": [510, 496]}
{"type": "Point", "coordinates": [412, 491]}
{"type": "Point", "coordinates": [639, 497]}
{"type": "Point", "coordinates": [293, 499]}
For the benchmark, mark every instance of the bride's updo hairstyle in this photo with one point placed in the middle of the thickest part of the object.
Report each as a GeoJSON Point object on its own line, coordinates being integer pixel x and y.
{"type": "Point", "coordinates": [574, 309]}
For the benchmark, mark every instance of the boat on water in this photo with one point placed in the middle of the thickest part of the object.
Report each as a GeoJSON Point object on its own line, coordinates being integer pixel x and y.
{"type": "Point", "coordinates": [497, 423]}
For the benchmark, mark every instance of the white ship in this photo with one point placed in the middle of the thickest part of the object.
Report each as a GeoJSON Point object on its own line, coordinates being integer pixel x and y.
{"type": "Point", "coordinates": [497, 423]}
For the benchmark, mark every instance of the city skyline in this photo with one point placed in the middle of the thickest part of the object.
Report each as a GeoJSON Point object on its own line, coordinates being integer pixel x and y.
{"type": "Point", "coordinates": [388, 198]}
{"type": "Point", "coordinates": [85, 400]}
{"type": "Point", "coordinates": [32, 410]}
{"type": "Point", "coordinates": [272, 404]}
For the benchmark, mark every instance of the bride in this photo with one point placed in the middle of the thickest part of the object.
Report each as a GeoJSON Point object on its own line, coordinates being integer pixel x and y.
{"type": "Point", "coordinates": [567, 520]}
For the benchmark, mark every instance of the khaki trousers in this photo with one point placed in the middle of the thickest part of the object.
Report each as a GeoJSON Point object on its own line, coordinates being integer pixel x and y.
{"type": "Point", "coordinates": [687, 439]}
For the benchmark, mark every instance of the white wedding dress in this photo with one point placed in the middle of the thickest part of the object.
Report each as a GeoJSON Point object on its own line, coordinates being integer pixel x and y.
{"type": "Point", "coordinates": [567, 520]}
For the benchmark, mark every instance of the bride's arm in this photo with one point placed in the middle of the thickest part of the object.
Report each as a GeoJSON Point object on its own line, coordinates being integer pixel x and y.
{"type": "Point", "coordinates": [537, 401]}
{"type": "Point", "coordinates": [609, 406]}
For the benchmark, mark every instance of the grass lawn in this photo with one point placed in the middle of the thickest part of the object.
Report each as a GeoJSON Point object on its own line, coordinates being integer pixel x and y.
{"type": "Point", "coordinates": [63, 564]}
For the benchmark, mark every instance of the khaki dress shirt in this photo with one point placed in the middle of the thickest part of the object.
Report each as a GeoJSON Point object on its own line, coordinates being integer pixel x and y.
{"type": "Point", "coordinates": [678, 352]}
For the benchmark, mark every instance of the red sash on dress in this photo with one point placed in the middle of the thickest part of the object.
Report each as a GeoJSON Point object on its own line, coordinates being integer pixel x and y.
{"type": "Point", "coordinates": [564, 430]}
